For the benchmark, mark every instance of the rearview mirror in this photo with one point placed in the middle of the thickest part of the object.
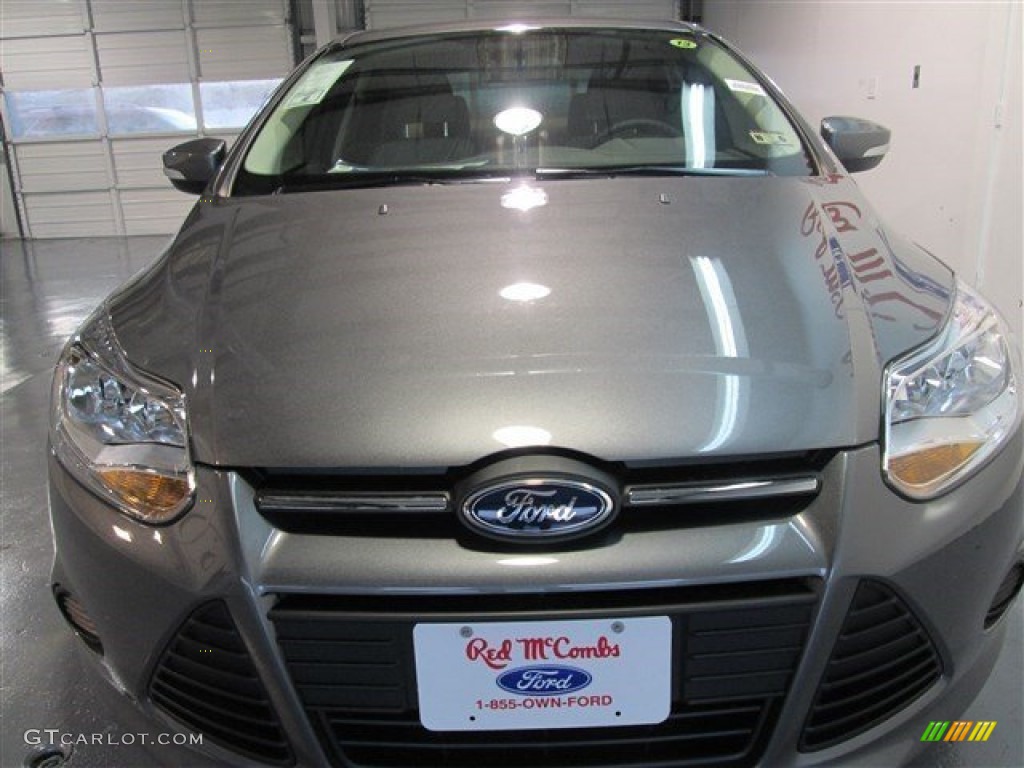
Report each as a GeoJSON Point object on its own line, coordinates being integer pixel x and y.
{"type": "Point", "coordinates": [859, 144]}
{"type": "Point", "coordinates": [191, 165]}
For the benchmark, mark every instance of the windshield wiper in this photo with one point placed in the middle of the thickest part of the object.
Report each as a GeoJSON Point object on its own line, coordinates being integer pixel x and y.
{"type": "Point", "coordinates": [355, 182]}
{"type": "Point", "coordinates": [374, 180]}
{"type": "Point", "coordinates": [610, 172]}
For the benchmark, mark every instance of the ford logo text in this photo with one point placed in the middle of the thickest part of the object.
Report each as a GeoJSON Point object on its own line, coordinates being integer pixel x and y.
{"type": "Point", "coordinates": [537, 507]}
{"type": "Point", "coordinates": [544, 681]}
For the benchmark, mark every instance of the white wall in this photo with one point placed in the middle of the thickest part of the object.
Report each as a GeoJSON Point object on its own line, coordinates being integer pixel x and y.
{"type": "Point", "coordinates": [952, 181]}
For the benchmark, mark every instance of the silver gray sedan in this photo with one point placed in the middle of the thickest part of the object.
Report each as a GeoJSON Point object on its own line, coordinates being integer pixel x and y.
{"type": "Point", "coordinates": [539, 395]}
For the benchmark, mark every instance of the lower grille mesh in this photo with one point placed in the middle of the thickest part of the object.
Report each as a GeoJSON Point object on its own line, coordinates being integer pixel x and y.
{"type": "Point", "coordinates": [708, 735]}
{"type": "Point", "coordinates": [207, 680]}
{"type": "Point", "coordinates": [353, 667]}
{"type": "Point", "coordinates": [882, 661]}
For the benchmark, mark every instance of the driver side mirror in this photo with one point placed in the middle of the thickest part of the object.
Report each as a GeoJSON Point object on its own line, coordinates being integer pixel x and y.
{"type": "Point", "coordinates": [859, 144]}
{"type": "Point", "coordinates": [191, 165]}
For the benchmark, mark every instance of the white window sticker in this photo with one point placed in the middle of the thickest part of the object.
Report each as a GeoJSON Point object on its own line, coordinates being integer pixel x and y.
{"type": "Point", "coordinates": [742, 86]}
{"type": "Point", "coordinates": [315, 84]}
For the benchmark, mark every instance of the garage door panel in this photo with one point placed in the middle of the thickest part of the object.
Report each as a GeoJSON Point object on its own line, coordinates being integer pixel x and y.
{"type": "Point", "coordinates": [219, 13]}
{"type": "Point", "coordinates": [83, 214]}
{"type": "Point", "coordinates": [243, 53]}
{"type": "Point", "coordinates": [122, 16]}
{"type": "Point", "coordinates": [98, 90]}
{"type": "Point", "coordinates": [61, 167]}
{"type": "Point", "coordinates": [663, 10]}
{"type": "Point", "coordinates": [393, 13]}
{"type": "Point", "coordinates": [47, 63]}
{"type": "Point", "coordinates": [154, 211]}
{"type": "Point", "coordinates": [501, 9]}
{"type": "Point", "coordinates": [138, 163]}
{"type": "Point", "coordinates": [142, 58]}
{"type": "Point", "coordinates": [38, 18]}
{"type": "Point", "coordinates": [398, 13]}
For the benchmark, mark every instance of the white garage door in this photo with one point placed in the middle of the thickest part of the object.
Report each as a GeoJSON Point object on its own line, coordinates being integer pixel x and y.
{"type": "Point", "coordinates": [96, 90]}
{"type": "Point", "coordinates": [394, 13]}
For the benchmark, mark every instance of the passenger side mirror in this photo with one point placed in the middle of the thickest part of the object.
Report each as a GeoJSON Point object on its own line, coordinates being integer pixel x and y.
{"type": "Point", "coordinates": [191, 165]}
{"type": "Point", "coordinates": [859, 144]}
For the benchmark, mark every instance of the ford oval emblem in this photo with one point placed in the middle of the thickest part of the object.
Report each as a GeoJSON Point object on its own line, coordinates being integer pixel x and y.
{"type": "Point", "coordinates": [538, 508]}
{"type": "Point", "coordinates": [544, 681]}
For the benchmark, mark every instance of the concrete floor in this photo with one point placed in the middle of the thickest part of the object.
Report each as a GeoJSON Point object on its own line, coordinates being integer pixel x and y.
{"type": "Point", "coordinates": [48, 287]}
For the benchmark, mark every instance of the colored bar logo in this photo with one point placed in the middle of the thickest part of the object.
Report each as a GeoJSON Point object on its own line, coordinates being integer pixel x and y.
{"type": "Point", "coordinates": [959, 730]}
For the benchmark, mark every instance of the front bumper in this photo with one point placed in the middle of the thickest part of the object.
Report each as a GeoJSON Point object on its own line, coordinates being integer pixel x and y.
{"type": "Point", "coordinates": [797, 596]}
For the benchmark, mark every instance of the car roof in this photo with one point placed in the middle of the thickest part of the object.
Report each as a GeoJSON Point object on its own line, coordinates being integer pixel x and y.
{"type": "Point", "coordinates": [483, 25]}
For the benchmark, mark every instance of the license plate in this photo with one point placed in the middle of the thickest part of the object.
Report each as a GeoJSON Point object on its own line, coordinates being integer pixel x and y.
{"type": "Point", "coordinates": [544, 674]}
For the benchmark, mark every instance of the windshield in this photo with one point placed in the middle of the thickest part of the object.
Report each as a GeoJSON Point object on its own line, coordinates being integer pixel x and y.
{"type": "Point", "coordinates": [511, 102]}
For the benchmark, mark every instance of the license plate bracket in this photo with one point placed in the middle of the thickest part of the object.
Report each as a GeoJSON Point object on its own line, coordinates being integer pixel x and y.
{"type": "Point", "coordinates": [582, 673]}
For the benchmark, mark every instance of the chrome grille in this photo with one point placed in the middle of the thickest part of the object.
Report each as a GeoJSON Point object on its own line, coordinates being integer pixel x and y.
{"type": "Point", "coordinates": [659, 497]}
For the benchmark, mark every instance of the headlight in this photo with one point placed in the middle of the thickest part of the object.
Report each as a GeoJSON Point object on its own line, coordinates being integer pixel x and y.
{"type": "Point", "coordinates": [952, 405]}
{"type": "Point", "coordinates": [122, 433]}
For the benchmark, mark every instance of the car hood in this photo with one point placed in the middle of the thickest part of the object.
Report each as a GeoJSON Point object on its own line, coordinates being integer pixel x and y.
{"type": "Point", "coordinates": [627, 319]}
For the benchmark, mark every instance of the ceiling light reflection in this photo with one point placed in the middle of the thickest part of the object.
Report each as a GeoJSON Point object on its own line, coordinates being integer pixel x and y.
{"type": "Point", "coordinates": [515, 29]}
{"type": "Point", "coordinates": [527, 561]}
{"type": "Point", "coordinates": [727, 329]}
{"type": "Point", "coordinates": [522, 436]}
{"type": "Point", "coordinates": [517, 121]}
{"type": "Point", "coordinates": [524, 199]}
{"type": "Point", "coordinates": [764, 541]}
{"type": "Point", "coordinates": [523, 292]}
{"type": "Point", "coordinates": [696, 146]}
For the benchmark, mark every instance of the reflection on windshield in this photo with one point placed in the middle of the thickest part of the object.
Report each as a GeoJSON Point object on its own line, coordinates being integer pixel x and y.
{"type": "Point", "coordinates": [515, 101]}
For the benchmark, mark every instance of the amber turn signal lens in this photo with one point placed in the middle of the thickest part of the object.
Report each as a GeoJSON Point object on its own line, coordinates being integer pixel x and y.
{"type": "Point", "coordinates": [154, 497]}
{"type": "Point", "coordinates": [922, 468]}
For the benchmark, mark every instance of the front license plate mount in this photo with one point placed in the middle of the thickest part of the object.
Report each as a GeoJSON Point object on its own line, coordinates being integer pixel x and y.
{"type": "Point", "coordinates": [587, 673]}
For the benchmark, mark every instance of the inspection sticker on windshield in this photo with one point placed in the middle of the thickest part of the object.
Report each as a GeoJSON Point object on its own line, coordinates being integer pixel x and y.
{"type": "Point", "coordinates": [552, 674]}
{"type": "Point", "coordinates": [742, 86]}
{"type": "Point", "coordinates": [682, 42]}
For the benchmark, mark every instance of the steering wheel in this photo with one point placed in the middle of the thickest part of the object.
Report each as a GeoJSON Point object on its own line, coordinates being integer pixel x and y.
{"type": "Point", "coordinates": [637, 127]}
